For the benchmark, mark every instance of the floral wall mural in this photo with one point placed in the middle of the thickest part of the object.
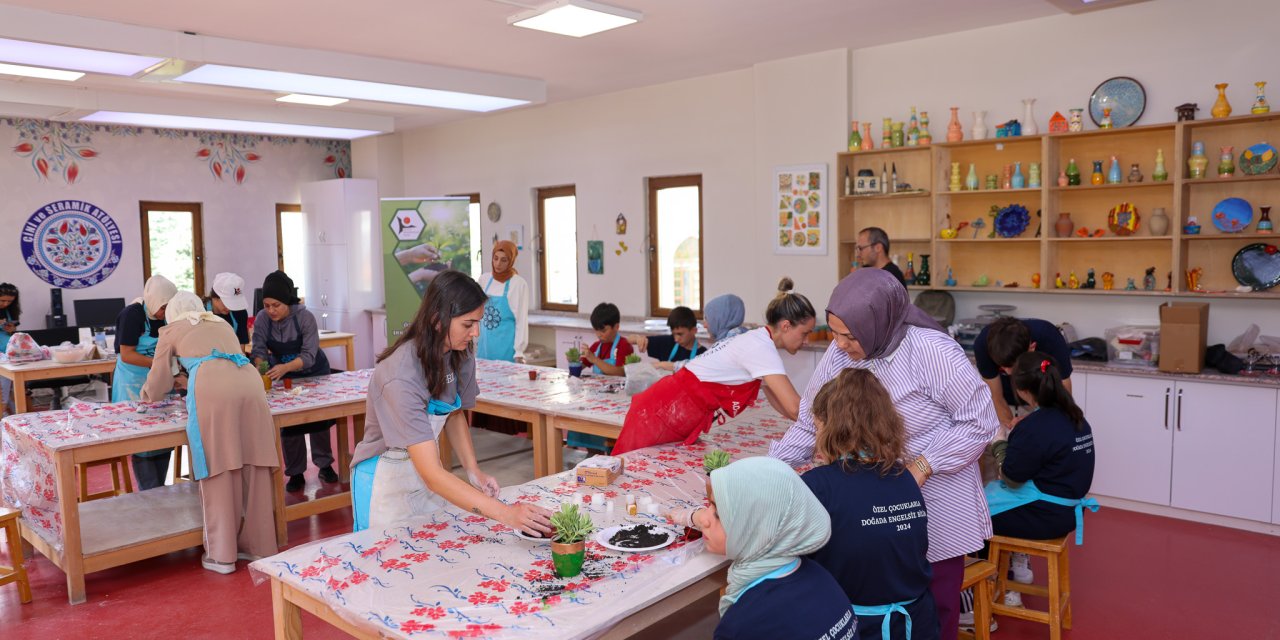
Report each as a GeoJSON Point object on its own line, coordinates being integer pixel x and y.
{"type": "Point", "coordinates": [55, 148]}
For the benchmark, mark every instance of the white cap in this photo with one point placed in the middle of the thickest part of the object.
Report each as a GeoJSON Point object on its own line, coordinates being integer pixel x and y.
{"type": "Point", "coordinates": [230, 289]}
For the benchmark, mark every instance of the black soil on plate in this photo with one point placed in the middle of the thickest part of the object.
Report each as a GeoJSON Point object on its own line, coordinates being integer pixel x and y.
{"type": "Point", "coordinates": [640, 536]}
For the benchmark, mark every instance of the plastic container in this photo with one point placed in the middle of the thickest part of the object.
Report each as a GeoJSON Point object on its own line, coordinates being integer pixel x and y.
{"type": "Point", "coordinates": [1133, 345]}
{"type": "Point", "coordinates": [67, 353]}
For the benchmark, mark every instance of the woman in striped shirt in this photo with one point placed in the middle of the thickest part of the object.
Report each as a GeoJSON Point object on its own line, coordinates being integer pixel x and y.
{"type": "Point", "coordinates": [945, 406]}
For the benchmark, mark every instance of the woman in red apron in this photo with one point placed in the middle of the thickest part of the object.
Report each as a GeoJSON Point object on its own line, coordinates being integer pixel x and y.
{"type": "Point", "coordinates": [724, 381]}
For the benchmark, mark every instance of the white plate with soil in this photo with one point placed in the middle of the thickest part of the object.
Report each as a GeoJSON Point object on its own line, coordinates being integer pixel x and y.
{"type": "Point", "coordinates": [636, 538]}
{"type": "Point", "coordinates": [530, 538]}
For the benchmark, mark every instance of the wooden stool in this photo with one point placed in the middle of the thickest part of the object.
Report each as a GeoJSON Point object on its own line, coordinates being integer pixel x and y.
{"type": "Point", "coordinates": [1058, 617]}
{"type": "Point", "coordinates": [978, 575]}
{"type": "Point", "coordinates": [17, 573]}
{"type": "Point", "coordinates": [119, 475]}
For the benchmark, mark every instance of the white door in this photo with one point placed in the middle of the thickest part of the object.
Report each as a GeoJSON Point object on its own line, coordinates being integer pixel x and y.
{"type": "Point", "coordinates": [1223, 449]}
{"type": "Point", "coordinates": [1132, 420]}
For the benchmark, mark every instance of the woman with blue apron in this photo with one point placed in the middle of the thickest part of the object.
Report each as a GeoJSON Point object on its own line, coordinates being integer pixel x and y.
{"type": "Point", "coordinates": [229, 430]}
{"type": "Point", "coordinates": [419, 389]}
{"type": "Point", "coordinates": [286, 336]}
{"type": "Point", "coordinates": [227, 301]}
{"type": "Point", "coordinates": [136, 329]}
{"type": "Point", "coordinates": [504, 331]}
{"type": "Point", "coordinates": [12, 307]}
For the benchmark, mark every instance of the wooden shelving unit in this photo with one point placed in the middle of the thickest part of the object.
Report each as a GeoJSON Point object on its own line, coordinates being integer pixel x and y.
{"type": "Point", "coordinates": [1008, 260]}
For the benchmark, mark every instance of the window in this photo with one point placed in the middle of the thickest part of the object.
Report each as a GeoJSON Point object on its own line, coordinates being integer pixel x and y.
{"type": "Point", "coordinates": [675, 244]}
{"type": "Point", "coordinates": [477, 243]}
{"type": "Point", "coordinates": [172, 245]}
{"type": "Point", "coordinates": [558, 252]}
{"type": "Point", "coordinates": [291, 244]}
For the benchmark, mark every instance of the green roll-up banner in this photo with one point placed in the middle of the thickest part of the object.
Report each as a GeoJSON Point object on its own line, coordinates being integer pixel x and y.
{"type": "Point", "coordinates": [420, 238]}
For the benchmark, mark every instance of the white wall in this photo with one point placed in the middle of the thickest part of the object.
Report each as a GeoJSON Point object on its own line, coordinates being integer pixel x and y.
{"type": "Point", "coordinates": [239, 219]}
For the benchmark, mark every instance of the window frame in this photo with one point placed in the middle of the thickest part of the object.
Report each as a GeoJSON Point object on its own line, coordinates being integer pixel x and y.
{"type": "Point", "coordinates": [282, 208]}
{"type": "Point", "coordinates": [654, 185]}
{"type": "Point", "coordinates": [542, 195]}
{"type": "Point", "coordinates": [475, 199]}
{"type": "Point", "coordinates": [197, 237]}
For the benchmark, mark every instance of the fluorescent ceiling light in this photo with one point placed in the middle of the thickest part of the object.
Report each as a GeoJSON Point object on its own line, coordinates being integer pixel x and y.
{"type": "Point", "coordinates": [37, 72]}
{"type": "Point", "coordinates": [319, 101]}
{"type": "Point", "coordinates": [226, 76]}
{"type": "Point", "coordinates": [89, 60]}
{"type": "Point", "coordinates": [222, 124]}
{"type": "Point", "coordinates": [575, 18]}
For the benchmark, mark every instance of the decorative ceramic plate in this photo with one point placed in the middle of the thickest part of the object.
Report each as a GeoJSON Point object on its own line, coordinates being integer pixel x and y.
{"type": "Point", "coordinates": [1012, 220]}
{"type": "Point", "coordinates": [1124, 95]}
{"type": "Point", "coordinates": [1257, 265]}
{"type": "Point", "coordinates": [1123, 219]}
{"type": "Point", "coordinates": [1232, 215]}
{"type": "Point", "coordinates": [1258, 159]}
{"type": "Point", "coordinates": [607, 534]}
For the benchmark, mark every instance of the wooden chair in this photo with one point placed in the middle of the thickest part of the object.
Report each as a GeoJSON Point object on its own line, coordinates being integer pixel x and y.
{"type": "Point", "coordinates": [121, 481]}
{"type": "Point", "coordinates": [18, 572]}
{"type": "Point", "coordinates": [1058, 591]}
{"type": "Point", "coordinates": [978, 574]}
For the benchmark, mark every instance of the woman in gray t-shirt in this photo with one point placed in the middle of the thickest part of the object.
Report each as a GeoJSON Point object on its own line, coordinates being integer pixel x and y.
{"type": "Point", "coordinates": [420, 386]}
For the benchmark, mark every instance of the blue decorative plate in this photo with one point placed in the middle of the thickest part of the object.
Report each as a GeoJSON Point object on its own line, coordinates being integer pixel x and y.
{"type": "Point", "coordinates": [1258, 159]}
{"type": "Point", "coordinates": [1257, 265]}
{"type": "Point", "coordinates": [1012, 220]}
{"type": "Point", "coordinates": [1124, 95]}
{"type": "Point", "coordinates": [1232, 215]}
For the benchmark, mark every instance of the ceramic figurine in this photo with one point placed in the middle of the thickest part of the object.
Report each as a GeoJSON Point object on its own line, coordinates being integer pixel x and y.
{"type": "Point", "coordinates": [1105, 123]}
{"type": "Point", "coordinates": [886, 134]}
{"type": "Point", "coordinates": [1057, 281]}
{"type": "Point", "coordinates": [1058, 123]}
{"type": "Point", "coordinates": [971, 180]}
{"type": "Point", "coordinates": [1062, 178]}
{"type": "Point", "coordinates": [955, 132]}
{"type": "Point", "coordinates": [1149, 280]}
{"type": "Point", "coordinates": [1035, 279]}
{"type": "Point", "coordinates": [1226, 163]}
{"type": "Point", "coordinates": [926, 138]}
{"type": "Point", "coordinates": [1130, 286]}
{"type": "Point", "coordinates": [1193, 278]}
{"type": "Point", "coordinates": [994, 213]}
{"type": "Point", "coordinates": [1073, 282]}
{"type": "Point", "coordinates": [1096, 177]}
{"type": "Point", "coordinates": [1089, 281]}
{"type": "Point", "coordinates": [893, 186]}
{"type": "Point", "coordinates": [991, 182]}
{"type": "Point", "coordinates": [1168, 281]}
{"type": "Point", "coordinates": [1108, 280]}
{"type": "Point", "coordinates": [910, 274]}
{"type": "Point", "coordinates": [1161, 173]}
{"type": "Point", "coordinates": [1135, 174]}
{"type": "Point", "coordinates": [1113, 175]}
{"type": "Point", "coordinates": [1007, 183]}
{"type": "Point", "coordinates": [1197, 164]}
{"type": "Point", "coordinates": [1073, 173]}
{"type": "Point", "coordinates": [1018, 182]}
{"type": "Point", "coordinates": [1033, 179]}
{"type": "Point", "coordinates": [955, 176]}
{"type": "Point", "coordinates": [1076, 124]}
{"type": "Point", "coordinates": [897, 137]}
{"type": "Point", "coordinates": [913, 130]}
{"type": "Point", "coordinates": [1260, 103]}
{"type": "Point", "coordinates": [978, 225]}
{"type": "Point", "coordinates": [951, 280]}
{"type": "Point", "coordinates": [1187, 111]}
{"type": "Point", "coordinates": [855, 137]}
{"type": "Point", "coordinates": [1192, 227]}
{"type": "Point", "coordinates": [867, 144]}
{"type": "Point", "coordinates": [982, 281]}
{"type": "Point", "coordinates": [1264, 222]}
{"type": "Point", "coordinates": [979, 131]}
{"type": "Point", "coordinates": [1221, 108]}
{"type": "Point", "coordinates": [1029, 126]}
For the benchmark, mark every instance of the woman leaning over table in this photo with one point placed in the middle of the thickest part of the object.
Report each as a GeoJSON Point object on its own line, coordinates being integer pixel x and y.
{"type": "Point", "coordinates": [419, 388]}
{"type": "Point", "coordinates": [944, 404]}
{"type": "Point", "coordinates": [137, 331]}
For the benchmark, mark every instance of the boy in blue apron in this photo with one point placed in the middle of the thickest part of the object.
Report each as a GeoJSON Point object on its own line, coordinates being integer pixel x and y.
{"type": "Point", "coordinates": [504, 331]}
{"type": "Point", "coordinates": [682, 345]}
{"type": "Point", "coordinates": [286, 336]}
{"type": "Point", "coordinates": [12, 310]}
{"type": "Point", "coordinates": [606, 356]}
{"type": "Point", "coordinates": [227, 301]}
{"type": "Point", "coordinates": [137, 328]}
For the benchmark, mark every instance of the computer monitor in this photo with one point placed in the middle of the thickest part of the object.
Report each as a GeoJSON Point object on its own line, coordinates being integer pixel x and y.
{"type": "Point", "coordinates": [100, 312]}
{"type": "Point", "coordinates": [55, 337]}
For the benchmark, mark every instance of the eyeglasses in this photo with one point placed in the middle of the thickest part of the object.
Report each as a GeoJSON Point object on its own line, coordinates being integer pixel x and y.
{"type": "Point", "coordinates": [860, 247]}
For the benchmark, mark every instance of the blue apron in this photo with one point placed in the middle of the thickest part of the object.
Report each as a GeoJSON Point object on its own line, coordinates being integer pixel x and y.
{"type": "Point", "coordinates": [613, 355]}
{"type": "Point", "coordinates": [1001, 498]}
{"type": "Point", "coordinates": [5, 335]}
{"type": "Point", "coordinates": [498, 327]}
{"type": "Point", "coordinates": [128, 379]}
{"type": "Point", "coordinates": [886, 611]}
{"type": "Point", "coordinates": [693, 353]}
{"type": "Point", "coordinates": [199, 464]}
{"type": "Point", "coordinates": [364, 473]}
{"type": "Point", "coordinates": [231, 317]}
{"type": "Point", "coordinates": [776, 573]}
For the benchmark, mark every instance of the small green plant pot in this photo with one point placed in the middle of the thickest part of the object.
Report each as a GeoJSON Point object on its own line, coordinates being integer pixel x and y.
{"type": "Point", "coordinates": [568, 558]}
{"type": "Point", "coordinates": [575, 370]}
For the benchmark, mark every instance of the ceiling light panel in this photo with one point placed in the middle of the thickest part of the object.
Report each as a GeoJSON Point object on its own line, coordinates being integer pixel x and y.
{"type": "Point", "coordinates": [38, 72]}
{"type": "Point", "coordinates": [87, 60]}
{"type": "Point", "coordinates": [576, 18]}
{"type": "Point", "coordinates": [319, 101]}
{"type": "Point", "coordinates": [222, 124]}
{"type": "Point", "coordinates": [226, 76]}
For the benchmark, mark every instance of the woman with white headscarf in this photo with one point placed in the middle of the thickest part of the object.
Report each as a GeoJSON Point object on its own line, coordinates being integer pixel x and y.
{"type": "Point", "coordinates": [229, 430]}
{"type": "Point", "coordinates": [137, 329]}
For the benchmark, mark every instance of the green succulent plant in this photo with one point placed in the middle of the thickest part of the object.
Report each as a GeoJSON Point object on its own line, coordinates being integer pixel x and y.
{"type": "Point", "coordinates": [263, 367]}
{"type": "Point", "coordinates": [715, 459]}
{"type": "Point", "coordinates": [632, 358]}
{"type": "Point", "coordinates": [571, 525]}
{"type": "Point", "coordinates": [574, 354]}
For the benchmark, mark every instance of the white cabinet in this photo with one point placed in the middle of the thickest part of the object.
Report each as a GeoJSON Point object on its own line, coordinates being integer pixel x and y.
{"type": "Point", "coordinates": [327, 277]}
{"type": "Point", "coordinates": [1223, 444]}
{"type": "Point", "coordinates": [1132, 430]}
{"type": "Point", "coordinates": [1080, 388]}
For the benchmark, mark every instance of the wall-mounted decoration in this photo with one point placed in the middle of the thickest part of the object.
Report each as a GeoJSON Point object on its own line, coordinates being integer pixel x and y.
{"type": "Point", "coordinates": [801, 199]}
{"type": "Point", "coordinates": [595, 257]}
{"type": "Point", "coordinates": [1124, 96]}
{"type": "Point", "coordinates": [622, 248]}
{"type": "Point", "coordinates": [494, 212]}
{"type": "Point", "coordinates": [228, 154]}
{"type": "Point", "coordinates": [71, 244]}
{"type": "Point", "coordinates": [55, 148]}
{"type": "Point", "coordinates": [512, 232]}
{"type": "Point", "coordinates": [621, 225]}
{"type": "Point", "coordinates": [338, 156]}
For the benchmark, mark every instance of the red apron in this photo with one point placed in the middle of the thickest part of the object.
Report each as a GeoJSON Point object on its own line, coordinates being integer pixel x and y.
{"type": "Point", "coordinates": [680, 408]}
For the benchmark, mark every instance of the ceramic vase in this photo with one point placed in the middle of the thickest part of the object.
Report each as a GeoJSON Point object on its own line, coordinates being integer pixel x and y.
{"type": "Point", "coordinates": [1158, 223]}
{"type": "Point", "coordinates": [1029, 118]}
{"type": "Point", "coordinates": [1063, 180]}
{"type": "Point", "coordinates": [926, 138]}
{"type": "Point", "coordinates": [1096, 177]}
{"type": "Point", "coordinates": [910, 274]}
{"type": "Point", "coordinates": [1033, 177]}
{"type": "Point", "coordinates": [1064, 225]}
{"type": "Point", "coordinates": [1260, 103]}
{"type": "Point", "coordinates": [979, 131]}
{"type": "Point", "coordinates": [1161, 173]}
{"type": "Point", "coordinates": [897, 137]}
{"type": "Point", "coordinates": [1007, 183]}
{"type": "Point", "coordinates": [1197, 164]}
{"type": "Point", "coordinates": [1105, 123]}
{"type": "Point", "coordinates": [1221, 108]}
{"type": "Point", "coordinates": [955, 132]}
{"type": "Point", "coordinates": [971, 181]}
{"type": "Point", "coordinates": [567, 558]}
{"type": "Point", "coordinates": [1073, 173]}
{"type": "Point", "coordinates": [1076, 123]}
{"type": "Point", "coordinates": [1135, 174]}
{"type": "Point", "coordinates": [886, 134]}
{"type": "Point", "coordinates": [1264, 222]}
{"type": "Point", "coordinates": [855, 137]}
{"type": "Point", "coordinates": [955, 176]}
{"type": "Point", "coordinates": [1226, 163]}
{"type": "Point", "coordinates": [867, 144]}
{"type": "Point", "coordinates": [922, 276]}
{"type": "Point", "coordinates": [1017, 181]}
{"type": "Point", "coordinates": [1113, 174]}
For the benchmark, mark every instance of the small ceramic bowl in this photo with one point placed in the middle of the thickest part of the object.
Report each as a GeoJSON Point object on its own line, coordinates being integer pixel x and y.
{"type": "Point", "coordinates": [67, 354]}
{"type": "Point", "coordinates": [948, 234]}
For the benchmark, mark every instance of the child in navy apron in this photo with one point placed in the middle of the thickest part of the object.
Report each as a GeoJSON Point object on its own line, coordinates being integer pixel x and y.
{"type": "Point", "coordinates": [504, 332]}
{"type": "Point", "coordinates": [12, 310]}
{"type": "Point", "coordinates": [286, 336]}
{"type": "Point", "coordinates": [137, 328]}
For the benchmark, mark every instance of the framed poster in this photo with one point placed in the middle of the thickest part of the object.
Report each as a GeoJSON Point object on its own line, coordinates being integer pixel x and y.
{"type": "Point", "coordinates": [799, 209]}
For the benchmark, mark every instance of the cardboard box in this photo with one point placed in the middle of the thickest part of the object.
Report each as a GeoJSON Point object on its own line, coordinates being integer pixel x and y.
{"type": "Point", "coordinates": [600, 471]}
{"type": "Point", "coordinates": [1184, 328]}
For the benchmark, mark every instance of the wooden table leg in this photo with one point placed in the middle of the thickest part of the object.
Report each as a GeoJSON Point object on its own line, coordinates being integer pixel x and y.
{"type": "Point", "coordinates": [344, 430]}
{"type": "Point", "coordinates": [287, 615]}
{"type": "Point", "coordinates": [350, 348]}
{"type": "Point", "coordinates": [69, 509]}
{"type": "Point", "coordinates": [19, 393]}
{"type": "Point", "coordinates": [539, 439]}
{"type": "Point", "coordinates": [277, 502]}
{"type": "Point", "coordinates": [553, 447]}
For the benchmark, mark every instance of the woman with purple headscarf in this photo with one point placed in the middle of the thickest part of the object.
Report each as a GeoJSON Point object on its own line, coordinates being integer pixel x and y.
{"type": "Point", "coordinates": [946, 411]}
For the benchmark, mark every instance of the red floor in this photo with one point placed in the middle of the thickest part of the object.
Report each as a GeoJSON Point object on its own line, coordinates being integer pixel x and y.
{"type": "Point", "coordinates": [1137, 577]}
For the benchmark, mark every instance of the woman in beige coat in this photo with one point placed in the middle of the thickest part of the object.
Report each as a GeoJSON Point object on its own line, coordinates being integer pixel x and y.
{"type": "Point", "coordinates": [229, 429]}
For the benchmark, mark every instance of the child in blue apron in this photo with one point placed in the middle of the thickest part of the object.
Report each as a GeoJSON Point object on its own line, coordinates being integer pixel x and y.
{"type": "Point", "coordinates": [227, 301]}
{"type": "Point", "coordinates": [681, 346]}
{"type": "Point", "coordinates": [421, 386]}
{"type": "Point", "coordinates": [606, 356]}
{"type": "Point", "coordinates": [137, 328]}
{"type": "Point", "coordinates": [504, 331]}
{"type": "Point", "coordinates": [11, 307]}
{"type": "Point", "coordinates": [880, 527]}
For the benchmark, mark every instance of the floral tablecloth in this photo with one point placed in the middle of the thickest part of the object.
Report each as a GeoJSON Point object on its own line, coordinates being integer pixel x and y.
{"type": "Point", "coordinates": [460, 575]}
{"type": "Point", "coordinates": [555, 392]}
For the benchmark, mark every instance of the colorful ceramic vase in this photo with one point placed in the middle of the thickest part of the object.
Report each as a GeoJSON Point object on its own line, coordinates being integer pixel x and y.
{"type": "Point", "coordinates": [1197, 163]}
{"type": "Point", "coordinates": [1221, 108]}
{"type": "Point", "coordinates": [1073, 173]}
{"type": "Point", "coordinates": [1028, 118]}
{"type": "Point", "coordinates": [971, 181]}
{"type": "Point", "coordinates": [922, 277]}
{"type": "Point", "coordinates": [926, 138]}
{"type": "Point", "coordinates": [867, 144]}
{"type": "Point", "coordinates": [1097, 177]}
{"type": "Point", "coordinates": [1260, 103]}
{"type": "Point", "coordinates": [1033, 178]}
{"type": "Point", "coordinates": [955, 132]}
{"type": "Point", "coordinates": [1007, 183]}
{"type": "Point", "coordinates": [1113, 174]}
{"type": "Point", "coordinates": [913, 129]}
{"type": "Point", "coordinates": [886, 134]}
{"type": "Point", "coordinates": [1063, 180]}
{"type": "Point", "coordinates": [855, 137]}
{"type": "Point", "coordinates": [1161, 173]}
{"type": "Point", "coordinates": [1135, 174]}
{"type": "Point", "coordinates": [1017, 181]}
{"type": "Point", "coordinates": [979, 125]}
{"type": "Point", "coordinates": [1076, 123]}
{"type": "Point", "coordinates": [1064, 225]}
{"type": "Point", "coordinates": [1226, 162]}
{"type": "Point", "coordinates": [897, 137]}
{"type": "Point", "coordinates": [1264, 222]}
{"type": "Point", "coordinates": [1106, 118]}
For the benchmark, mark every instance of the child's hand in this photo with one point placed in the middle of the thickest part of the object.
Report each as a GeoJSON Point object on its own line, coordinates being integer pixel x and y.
{"type": "Point", "coordinates": [591, 357]}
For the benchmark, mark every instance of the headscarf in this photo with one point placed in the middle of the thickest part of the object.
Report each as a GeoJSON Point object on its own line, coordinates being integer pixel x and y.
{"type": "Point", "coordinates": [279, 286]}
{"type": "Point", "coordinates": [723, 316]}
{"type": "Point", "coordinates": [508, 247]}
{"type": "Point", "coordinates": [156, 293]}
{"type": "Point", "coordinates": [770, 518]}
{"type": "Point", "coordinates": [877, 310]}
{"type": "Point", "coordinates": [187, 306]}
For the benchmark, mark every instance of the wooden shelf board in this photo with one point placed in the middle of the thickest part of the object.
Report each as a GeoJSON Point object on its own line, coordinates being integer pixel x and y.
{"type": "Point", "coordinates": [1266, 177]}
{"type": "Point", "coordinates": [1146, 128]}
{"type": "Point", "coordinates": [888, 196]}
{"type": "Point", "coordinates": [1114, 239]}
{"type": "Point", "coordinates": [893, 240]}
{"type": "Point", "coordinates": [1219, 122]}
{"type": "Point", "coordinates": [988, 192]}
{"type": "Point", "coordinates": [1234, 236]}
{"type": "Point", "coordinates": [944, 241]}
{"type": "Point", "coordinates": [1104, 187]}
{"type": "Point", "coordinates": [878, 151]}
{"type": "Point", "coordinates": [989, 141]}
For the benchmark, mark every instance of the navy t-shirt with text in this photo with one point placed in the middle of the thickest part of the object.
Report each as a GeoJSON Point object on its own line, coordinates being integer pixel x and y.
{"type": "Point", "coordinates": [805, 605]}
{"type": "Point", "coordinates": [1047, 447]}
{"type": "Point", "coordinates": [1045, 338]}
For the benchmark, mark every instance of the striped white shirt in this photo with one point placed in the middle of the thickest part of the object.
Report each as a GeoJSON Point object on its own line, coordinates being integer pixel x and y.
{"type": "Point", "coordinates": [949, 419]}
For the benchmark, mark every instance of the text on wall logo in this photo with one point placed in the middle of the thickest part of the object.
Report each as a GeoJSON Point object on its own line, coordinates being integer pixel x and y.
{"type": "Point", "coordinates": [71, 244]}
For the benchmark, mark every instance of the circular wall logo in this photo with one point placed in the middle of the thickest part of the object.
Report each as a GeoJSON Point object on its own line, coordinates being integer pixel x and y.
{"type": "Point", "coordinates": [71, 244]}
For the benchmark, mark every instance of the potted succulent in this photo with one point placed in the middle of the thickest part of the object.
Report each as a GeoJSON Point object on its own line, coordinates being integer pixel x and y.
{"type": "Point", "coordinates": [632, 358]}
{"type": "Point", "coordinates": [574, 356]}
{"type": "Point", "coordinates": [568, 542]}
{"type": "Point", "coordinates": [263, 367]}
{"type": "Point", "coordinates": [715, 459]}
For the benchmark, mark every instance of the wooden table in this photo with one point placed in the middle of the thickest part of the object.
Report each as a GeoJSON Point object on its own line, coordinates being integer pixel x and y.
{"type": "Point", "coordinates": [339, 339]}
{"type": "Point", "coordinates": [21, 374]}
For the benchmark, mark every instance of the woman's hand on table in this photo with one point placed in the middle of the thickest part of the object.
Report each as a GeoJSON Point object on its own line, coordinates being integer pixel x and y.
{"type": "Point", "coordinates": [688, 517]}
{"type": "Point", "coordinates": [486, 483]}
{"type": "Point", "coordinates": [281, 370]}
{"type": "Point", "coordinates": [529, 518]}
